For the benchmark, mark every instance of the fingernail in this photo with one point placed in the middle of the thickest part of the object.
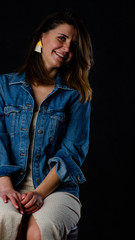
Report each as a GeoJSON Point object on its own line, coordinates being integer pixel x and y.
{"type": "Point", "coordinates": [23, 197]}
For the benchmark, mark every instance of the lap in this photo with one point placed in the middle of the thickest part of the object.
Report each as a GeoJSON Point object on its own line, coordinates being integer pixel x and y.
{"type": "Point", "coordinates": [10, 220]}
{"type": "Point", "coordinates": [61, 211]}
{"type": "Point", "coordinates": [58, 215]}
{"type": "Point", "coordinates": [8, 208]}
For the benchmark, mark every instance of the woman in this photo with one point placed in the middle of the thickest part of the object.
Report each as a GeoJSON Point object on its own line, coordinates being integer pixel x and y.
{"type": "Point", "coordinates": [44, 131]}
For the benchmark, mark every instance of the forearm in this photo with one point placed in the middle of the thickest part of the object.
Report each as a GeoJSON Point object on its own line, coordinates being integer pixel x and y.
{"type": "Point", "coordinates": [5, 183]}
{"type": "Point", "coordinates": [49, 184]}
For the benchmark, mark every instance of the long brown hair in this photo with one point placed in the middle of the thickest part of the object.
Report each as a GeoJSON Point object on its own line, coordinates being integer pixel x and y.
{"type": "Point", "coordinates": [75, 73]}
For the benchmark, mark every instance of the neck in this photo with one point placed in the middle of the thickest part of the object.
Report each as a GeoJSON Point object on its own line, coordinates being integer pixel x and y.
{"type": "Point", "coordinates": [52, 72]}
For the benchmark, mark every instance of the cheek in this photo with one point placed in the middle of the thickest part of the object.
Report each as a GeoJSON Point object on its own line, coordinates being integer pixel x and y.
{"type": "Point", "coordinates": [51, 47]}
{"type": "Point", "coordinates": [45, 49]}
{"type": "Point", "coordinates": [56, 45]}
{"type": "Point", "coordinates": [48, 44]}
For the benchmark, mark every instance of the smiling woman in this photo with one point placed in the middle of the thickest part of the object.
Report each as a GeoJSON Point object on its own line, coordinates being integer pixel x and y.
{"type": "Point", "coordinates": [44, 131]}
{"type": "Point", "coordinates": [56, 47]}
{"type": "Point", "coordinates": [79, 54]}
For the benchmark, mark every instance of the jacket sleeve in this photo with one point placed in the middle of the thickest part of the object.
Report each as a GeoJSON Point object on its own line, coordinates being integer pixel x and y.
{"type": "Point", "coordinates": [4, 137]}
{"type": "Point", "coordinates": [75, 144]}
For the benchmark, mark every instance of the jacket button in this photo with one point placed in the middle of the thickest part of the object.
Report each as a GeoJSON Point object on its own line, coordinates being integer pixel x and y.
{"type": "Point", "coordinates": [78, 178]}
{"type": "Point", "coordinates": [38, 180]}
{"type": "Point", "coordinates": [23, 129]}
{"type": "Point", "coordinates": [22, 154]}
{"type": "Point", "coordinates": [40, 131]}
{"type": "Point", "coordinates": [28, 105]}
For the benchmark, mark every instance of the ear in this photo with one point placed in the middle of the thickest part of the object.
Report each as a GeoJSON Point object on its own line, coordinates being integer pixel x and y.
{"type": "Point", "coordinates": [42, 37]}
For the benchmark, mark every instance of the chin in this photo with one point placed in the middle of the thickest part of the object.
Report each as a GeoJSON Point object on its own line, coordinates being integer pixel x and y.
{"type": "Point", "coordinates": [59, 64]}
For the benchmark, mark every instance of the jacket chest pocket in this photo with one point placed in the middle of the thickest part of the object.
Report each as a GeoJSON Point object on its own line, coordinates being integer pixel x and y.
{"type": "Point", "coordinates": [57, 126]}
{"type": "Point", "coordinates": [12, 116]}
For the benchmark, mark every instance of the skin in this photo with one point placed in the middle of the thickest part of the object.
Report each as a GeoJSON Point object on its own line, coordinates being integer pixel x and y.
{"type": "Point", "coordinates": [58, 49]}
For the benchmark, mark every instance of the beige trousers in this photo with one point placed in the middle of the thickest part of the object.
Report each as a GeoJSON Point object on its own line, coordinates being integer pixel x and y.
{"type": "Point", "coordinates": [56, 218]}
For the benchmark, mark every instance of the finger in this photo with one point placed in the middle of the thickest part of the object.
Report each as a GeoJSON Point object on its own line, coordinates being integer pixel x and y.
{"type": "Point", "coordinates": [5, 199]}
{"type": "Point", "coordinates": [20, 206]}
{"type": "Point", "coordinates": [23, 196]}
{"type": "Point", "coordinates": [26, 198]}
{"type": "Point", "coordinates": [16, 203]}
{"type": "Point", "coordinates": [35, 210]}
{"type": "Point", "coordinates": [19, 196]}
{"type": "Point", "coordinates": [31, 203]}
{"type": "Point", "coordinates": [31, 209]}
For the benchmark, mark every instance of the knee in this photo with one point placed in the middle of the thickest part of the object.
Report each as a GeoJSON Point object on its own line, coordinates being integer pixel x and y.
{"type": "Point", "coordinates": [33, 231]}
{"type": "Point", "coordinates": [33, 234]}
{"type": "Point", "coordinates": [50, 230]}
{"type": "Point", "coordinates": [10, 217]}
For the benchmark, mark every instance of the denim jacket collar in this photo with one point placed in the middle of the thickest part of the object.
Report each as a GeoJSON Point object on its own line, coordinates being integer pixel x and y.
{"type": "Point", "coordinates": [20, 79]}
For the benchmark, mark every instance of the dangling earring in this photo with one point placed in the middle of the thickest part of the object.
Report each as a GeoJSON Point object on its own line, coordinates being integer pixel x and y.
{"type": "Point", "coordinates": [38, 47]}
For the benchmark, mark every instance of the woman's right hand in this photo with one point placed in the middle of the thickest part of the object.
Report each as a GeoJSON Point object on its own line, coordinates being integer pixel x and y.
{"type": "Point", "coordinates": [14, 197]}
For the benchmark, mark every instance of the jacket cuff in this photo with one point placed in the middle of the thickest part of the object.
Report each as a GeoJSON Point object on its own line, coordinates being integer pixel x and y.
{"type": "Point", "coordinates": [66, 168]}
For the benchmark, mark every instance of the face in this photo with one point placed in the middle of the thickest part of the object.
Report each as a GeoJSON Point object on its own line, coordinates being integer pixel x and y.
{"type": "Point", "coordinates": [58, 46]}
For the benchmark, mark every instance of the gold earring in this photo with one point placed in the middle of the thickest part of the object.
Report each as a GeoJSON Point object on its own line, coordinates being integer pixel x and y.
{"type": "Point", "coordinates": [38, 47]}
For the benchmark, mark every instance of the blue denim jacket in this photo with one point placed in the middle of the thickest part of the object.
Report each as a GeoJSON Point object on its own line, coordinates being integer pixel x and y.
{"type": "Point", "coordinates": [61, 134]}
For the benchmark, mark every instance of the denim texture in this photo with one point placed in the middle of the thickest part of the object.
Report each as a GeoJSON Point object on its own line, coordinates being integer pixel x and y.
{"type": "Point", "coordinates": [61, 134]}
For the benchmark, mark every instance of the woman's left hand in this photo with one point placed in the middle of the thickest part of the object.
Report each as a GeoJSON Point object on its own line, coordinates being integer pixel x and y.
{"type": "Point", "coordinates": [32, 202]}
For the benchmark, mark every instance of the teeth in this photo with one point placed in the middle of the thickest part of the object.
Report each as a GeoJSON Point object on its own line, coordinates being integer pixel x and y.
{"type": "Point", "coordinates": [59, 54]}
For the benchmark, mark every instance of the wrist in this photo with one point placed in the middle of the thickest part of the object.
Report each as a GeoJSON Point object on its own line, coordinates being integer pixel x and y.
{"type": "Point", "coordinates": [37, 191]}
{"type": "Point", "coordinates": [6, 183]}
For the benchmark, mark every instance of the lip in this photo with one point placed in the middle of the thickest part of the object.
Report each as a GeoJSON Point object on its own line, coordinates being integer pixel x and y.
{"type": "Point", "coordinates": [60, 55]}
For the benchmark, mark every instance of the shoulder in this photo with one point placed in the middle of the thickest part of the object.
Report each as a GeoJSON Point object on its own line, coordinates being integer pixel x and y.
{"type": "Point", "coordinates": [8, 76]}
{"type": "Point", "coordinates": [77, 104]}
{"type": "Point", "coordinates": [72, 93]}
{"type": "Point", "coordinates": [11, 78]}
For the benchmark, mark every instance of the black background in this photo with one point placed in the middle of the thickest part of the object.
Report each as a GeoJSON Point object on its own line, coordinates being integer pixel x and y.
{"type": "Point", "coordinates": [108, 195]}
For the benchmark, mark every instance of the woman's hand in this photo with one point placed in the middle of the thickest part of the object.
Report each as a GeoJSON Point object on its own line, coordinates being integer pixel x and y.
{"type": "Point", "coordinates": [14, 197]}
{"type": "Point", "coordinates": [32, 202]}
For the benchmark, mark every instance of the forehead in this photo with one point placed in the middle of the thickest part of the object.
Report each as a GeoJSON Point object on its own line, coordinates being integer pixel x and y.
{"type": "Point", "coordinates": [65, 29]}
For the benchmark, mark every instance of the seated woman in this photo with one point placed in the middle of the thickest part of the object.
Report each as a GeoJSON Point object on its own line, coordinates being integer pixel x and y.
{"type": "Point", "coordinates": [44, 131]}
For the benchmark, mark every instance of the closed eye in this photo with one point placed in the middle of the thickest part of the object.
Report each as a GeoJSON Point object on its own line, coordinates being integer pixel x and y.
{"type": "Point", "coordinates": [61, 38]}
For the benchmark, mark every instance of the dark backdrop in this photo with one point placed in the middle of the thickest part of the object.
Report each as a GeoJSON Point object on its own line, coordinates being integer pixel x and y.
{"type": "Point", "coordinates": [107, 196]}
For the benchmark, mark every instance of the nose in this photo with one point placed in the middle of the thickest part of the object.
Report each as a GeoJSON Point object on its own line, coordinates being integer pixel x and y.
{"type": "Point", "coordinates": [66, 47]}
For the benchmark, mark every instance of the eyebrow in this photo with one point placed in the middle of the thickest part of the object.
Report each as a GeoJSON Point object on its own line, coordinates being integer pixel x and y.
{"type": "Point", "coordinates": [63, 35]}
{"type": "Point", "coordinates": [67, 37]}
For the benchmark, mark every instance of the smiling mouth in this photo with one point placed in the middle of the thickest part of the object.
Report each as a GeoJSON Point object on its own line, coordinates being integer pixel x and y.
{"type": "Point", "coordinates": [61, 56]}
